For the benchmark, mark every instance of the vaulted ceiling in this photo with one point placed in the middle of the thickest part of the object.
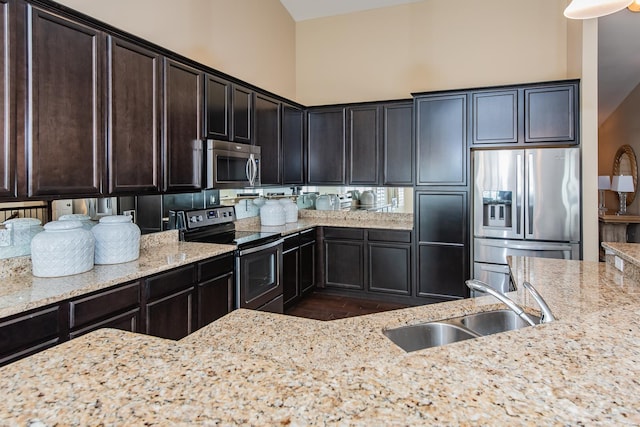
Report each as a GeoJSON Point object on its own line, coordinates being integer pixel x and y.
{"type": "Point", "coordinates": [302, 10]}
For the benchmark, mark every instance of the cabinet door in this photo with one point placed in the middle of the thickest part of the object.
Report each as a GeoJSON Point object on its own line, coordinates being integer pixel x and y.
{"type": "Point", "coordinates": [495, 117]}
{"type": "Point", "coordinates": [442, 271]}
{"type": "Point", "coordinates": [389, 268]}
{"type": "Point", "coordinates": [218, 108]}
{"type": "Point", "coordinates": [267, 137]}
{"type": "Point", "coordinates": [215, 299]}
{"type": "Point", "coordinates": [290, 276]}
{"type": "Point", "coordinates": [172, 316]}
{"type": "Point", "coordinates": [344, 264]}
{"type": "Point", "coordinates": [293, 164]}
{"type": "Point", "coordinates": [364, 145]}
{"type": "Point", "coordinates": [307, 262]}
{"type": "Point", "coordinates": [550, 114]}
{"type": "Point", "coordinates": [326, 146]}
{"type": "Point", "coordinates": [65, 122]}
{"type": "Point", "coordinates": [183, 119]}
{"type": "Point", "coordinates": [29, 333]}
{"type": "Point", "coordinates": [242, 115]}
{"type": "Point", "coordinates": [133, 146]}
{"type": "Point", "coordinates": [441, 126]}
{"type": "Point", "coordinates": [397, 139]}
{"type": "Point", "coordinates": [8, 188]}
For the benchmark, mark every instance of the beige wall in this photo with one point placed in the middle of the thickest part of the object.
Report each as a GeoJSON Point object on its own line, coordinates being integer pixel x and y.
{"type": "Point", "coordinates": [430, 45]}
{"type": "Point", "coordinates": [253, 40]}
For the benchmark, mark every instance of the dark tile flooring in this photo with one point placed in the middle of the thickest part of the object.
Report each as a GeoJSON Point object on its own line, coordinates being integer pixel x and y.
{"type": "Point", "coordinates": [324, 306]}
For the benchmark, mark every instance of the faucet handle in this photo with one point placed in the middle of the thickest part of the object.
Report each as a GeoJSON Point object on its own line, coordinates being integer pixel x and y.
{"type": "Point", "coordinates": [547, 316]}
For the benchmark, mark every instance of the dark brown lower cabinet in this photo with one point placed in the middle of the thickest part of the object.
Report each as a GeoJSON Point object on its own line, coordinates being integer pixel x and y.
{"type": "Point", "coordinates": [172, 316]}
{"type": "Point", "coordinates": [298, 266]}
{"type": "Point", "coordinates": [307, 261]}
{"type": "Point", "coordinates": [215, 289]}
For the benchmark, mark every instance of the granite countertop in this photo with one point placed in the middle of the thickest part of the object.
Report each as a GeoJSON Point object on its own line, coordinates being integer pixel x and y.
{"type": "Point", "coordinates": [265, 369]}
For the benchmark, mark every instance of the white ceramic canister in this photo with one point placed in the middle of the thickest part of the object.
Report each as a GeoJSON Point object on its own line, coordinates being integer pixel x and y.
{"type": "Point", "coordinates": [324, 203]}
{"type": "Point", "coordinates": [290, 210]}
{"type": "Point", "coordinates": [272, 214]}
{"type": "Point", "coordinates": [84, 219]}
{"type": "Point", "coordinates": [117, 240]}
{"type": "Point", "coordinates": [23, 229]}
{"type": "Point", "coordinates": [62, 249]}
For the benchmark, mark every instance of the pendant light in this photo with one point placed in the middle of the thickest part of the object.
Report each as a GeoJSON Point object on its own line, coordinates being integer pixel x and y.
{"type": "Point", "coordinates": [587, 9]}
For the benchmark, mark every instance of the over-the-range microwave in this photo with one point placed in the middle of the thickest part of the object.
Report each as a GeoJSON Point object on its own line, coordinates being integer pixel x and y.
{"type": "Point", "coordinates": [232, 165]}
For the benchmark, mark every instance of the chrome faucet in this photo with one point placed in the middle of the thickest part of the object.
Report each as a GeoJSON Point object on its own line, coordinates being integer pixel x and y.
{"type": "Point", "coordinates": [483, 287]}
{"type": "Point", "coordinates": [546, 316]}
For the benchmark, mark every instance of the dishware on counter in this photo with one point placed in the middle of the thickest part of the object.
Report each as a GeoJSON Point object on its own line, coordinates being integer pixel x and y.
{"type": "Point", "coordinates": [117, 240]}
{"type": "Point", "coordinates": [367, 198]}
{"type": "Point", "coordinates": [272, 214]}
{"type": "Point", "coordinates": [306, 201]}
{"type": "Point", "coordinates": [64, 248]}
{"type": "Point", "coordinates": [290, 210]}
{"type": "Point", "coordinates": [324, 202]}
{"type": "Point", "coordinates": [86, 221]}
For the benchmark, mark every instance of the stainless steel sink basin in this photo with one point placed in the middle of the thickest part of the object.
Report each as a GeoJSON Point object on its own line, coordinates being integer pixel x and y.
{"type": "Point", "coordinates": [426, 335]}
{"type": "Point", "coordinates": [434, 334]}
{"type": "Point", "coordinates": [493, 322]}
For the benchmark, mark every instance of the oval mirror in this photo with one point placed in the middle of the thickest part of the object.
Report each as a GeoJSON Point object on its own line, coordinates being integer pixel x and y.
{"type": "Point", "coordinates": [625, 163]}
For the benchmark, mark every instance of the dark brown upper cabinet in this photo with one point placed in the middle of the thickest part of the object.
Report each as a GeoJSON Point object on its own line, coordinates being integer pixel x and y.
{"type": "Point", "coordinates": [326, 145]}
{"type": "Point", "coordinates": [218, 108]}
{"type": "Point", "coordinates": [8, 188]}
{"type": "Point", "coordinates": [397, 142]}
{"type": "Point", "coordinates": [242, 118]}
{"type": "Point", "coordinates": [134, 118]}
{"type": "Point", "coordinates": [441, 138]}
{"type": "Point", "coordinates": [550, 114]}
{"type": "Point", "coordinates": [182, 142]}
{"type": "Point", "coordinates": [495, 117]}
{"type": "Point", "coordinates": [363, 138]}
{"type": "Point", "coordinates": [293, 147]}
{"type": "Point", "coordinates": [267, 137]}
{"type": "Point", "coordinates": [64, 119]}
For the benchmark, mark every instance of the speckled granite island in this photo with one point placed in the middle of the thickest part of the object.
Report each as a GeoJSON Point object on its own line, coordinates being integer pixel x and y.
{"type": "Point", "coordinates": [265, 369]}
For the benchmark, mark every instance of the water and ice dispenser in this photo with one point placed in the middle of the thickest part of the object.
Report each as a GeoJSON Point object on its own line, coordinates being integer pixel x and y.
{"type": "Point", "coordinates": [496, 208]}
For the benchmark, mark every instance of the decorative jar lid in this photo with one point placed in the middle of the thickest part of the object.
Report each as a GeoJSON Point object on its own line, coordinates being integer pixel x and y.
{"type": "Point", "coordinates": [115, 219]}
{"type": "Point", "coordinates": [62, 225]}
{"type": "Point", "coordinates": [74, 217]}
{"type": "Point", "coordinates": [22, 222]}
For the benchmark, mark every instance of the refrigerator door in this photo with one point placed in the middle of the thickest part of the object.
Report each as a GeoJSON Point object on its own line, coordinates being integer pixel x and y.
{"type": "Point", "coordinates": [498, 196]}
{"type": "Point", "coordinates": [552, 196]}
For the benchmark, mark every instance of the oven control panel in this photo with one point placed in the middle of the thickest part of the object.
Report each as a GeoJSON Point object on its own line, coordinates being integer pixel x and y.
{"type": "Point", "coordinates": [207, 217]}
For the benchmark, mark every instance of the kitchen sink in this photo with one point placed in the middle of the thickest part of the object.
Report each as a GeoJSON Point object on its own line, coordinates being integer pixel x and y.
{"type": "Point", "coordinates": [448, 331]}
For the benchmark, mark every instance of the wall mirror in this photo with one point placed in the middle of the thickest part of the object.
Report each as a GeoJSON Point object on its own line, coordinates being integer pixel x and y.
{"type": "Point", "coordinates": [625, 163]}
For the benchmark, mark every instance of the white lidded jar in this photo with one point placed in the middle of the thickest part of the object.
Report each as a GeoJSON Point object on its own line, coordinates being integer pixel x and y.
{"type": "Point", "coordinates": [117, 240]}
{"type": "Point", "coordinates": [23, 229]}
{"type": "Point", "coordinates": [272, 214]}
{"type": "Point", "coordinates": [84, 219]}
{"type": "Point", "coordinates": [64, 248]}
{"type": "Point", "coordinates": [290, 210]}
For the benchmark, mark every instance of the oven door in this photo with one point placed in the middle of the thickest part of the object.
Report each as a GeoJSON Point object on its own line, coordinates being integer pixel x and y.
{"type": "Point", "coordinates": [259, 277]}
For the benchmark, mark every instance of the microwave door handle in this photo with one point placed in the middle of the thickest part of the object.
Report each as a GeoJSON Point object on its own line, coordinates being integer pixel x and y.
{"type": "Point", "coordinates": [247, 171]}
{"type": "Point", "coordinates": [254, 170]}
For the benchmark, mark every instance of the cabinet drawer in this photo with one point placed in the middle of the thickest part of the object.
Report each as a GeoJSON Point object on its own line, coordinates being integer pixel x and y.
{"type": "Point", "coordinates": [95, 307]}
{"type": "Point", "coordinates": [290, 242]}
{"type": "Point", "coordinates": [172, 281]}
{"type": "Point", "coordinates": [28, 331]}
{"type": "Point", "coordinates": [344, 233]}
{"type": "Point", "coordinates": [128, 321]}
{"type": "Point", "coordinates": [215, 267]}
{"type": "Point", "coordinates": [308, 236]}
{"type": "Point", "coordinates": [390, 236]}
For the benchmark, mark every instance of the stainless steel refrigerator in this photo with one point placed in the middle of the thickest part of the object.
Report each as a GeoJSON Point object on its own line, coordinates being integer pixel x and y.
{"type": "Point", "coordinates": [526, 202]}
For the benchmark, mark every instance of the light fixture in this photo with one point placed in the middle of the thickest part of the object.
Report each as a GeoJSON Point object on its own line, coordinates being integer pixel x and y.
{"type": "Point", "coordinates": [634, 6]}
{"type": "Point", "coordinates": [604, 183]}
{"type": "Point", "coordinates": [623, 184]}
{"type": "Point", "coordinates": [587, 9]}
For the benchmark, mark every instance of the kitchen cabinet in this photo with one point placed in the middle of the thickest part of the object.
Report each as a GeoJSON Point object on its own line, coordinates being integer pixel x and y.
{"type": "Point", "coordinates": [215, 289]}
{"type": "Point", "coordinates": [217, 108]}
{"type": "Point", "coordinates": [550, 113]}
{"type": "Point", "coordinates": [267, 137]}
{"type": "Point", "coordinates": [441, 139]}
{"type": "Point", "coordinates": [118, 308]}
{"type": "Point", "coordinates": [326, 145]}
{"type": "Point", "coordinates": [64, 118]}
{"type": "Point", "coordinates": [29, 332]}
{"type": "Point", "coordinates": [495, 117]}
{"type": "Point", "coordinates": [182, 142]}
{"type": "Point", "coordinates": [242, 114]}
{"type": "Point", "coordinates": [293, 145]}
{"type": "Point", "coordinates": [134, 118]}
{"type": "Point", "coordinates": [8, 185]}
{"type": "Point", "coordinates": [389, 263]}
{"type": "Point", "coordinates": [298, 266]}
{"type": "Point", "coordinates": [397, 142]}
{"type": "Point", "coordinates": [363, 145]}
{"type": "Point", "coordinates": [344, 258]}
{"type": "Point", "coordinates": [168, 303]}
{"type": "Point", "coordinates": [442, 224]}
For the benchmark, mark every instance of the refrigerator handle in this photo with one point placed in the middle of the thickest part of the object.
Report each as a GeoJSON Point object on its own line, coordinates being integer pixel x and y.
{"type": "Point", "coordinates": [530, 196]}
{"type": "Point", "coordinates": [519, 192]}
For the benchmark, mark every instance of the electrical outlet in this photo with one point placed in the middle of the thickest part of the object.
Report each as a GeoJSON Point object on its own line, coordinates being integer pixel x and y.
{"type": "Point", "coordinates": [131, 213]}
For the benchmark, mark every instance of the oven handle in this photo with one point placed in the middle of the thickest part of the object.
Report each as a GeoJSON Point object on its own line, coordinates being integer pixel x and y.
{"type": "Point", "coordinates": [260, 248]}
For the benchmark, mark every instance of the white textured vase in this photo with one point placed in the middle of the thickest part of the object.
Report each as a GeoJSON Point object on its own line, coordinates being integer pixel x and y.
{"type": "Point", "coordinates": [62, 249]}
{"type": "Point", "coordinates": [117, 240]}
{"type": "Point", "coordinates": [23, 229]}
{"type": "Point", "coordinates": [272, 214]}
{"type": "Point", "coordinates": [290, 210]}
{"type": "Point", "coordinates": [84, 219]}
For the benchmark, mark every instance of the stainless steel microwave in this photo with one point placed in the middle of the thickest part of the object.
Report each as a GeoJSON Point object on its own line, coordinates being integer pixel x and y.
{"type": "Point", "coordinates": [232, 165]}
